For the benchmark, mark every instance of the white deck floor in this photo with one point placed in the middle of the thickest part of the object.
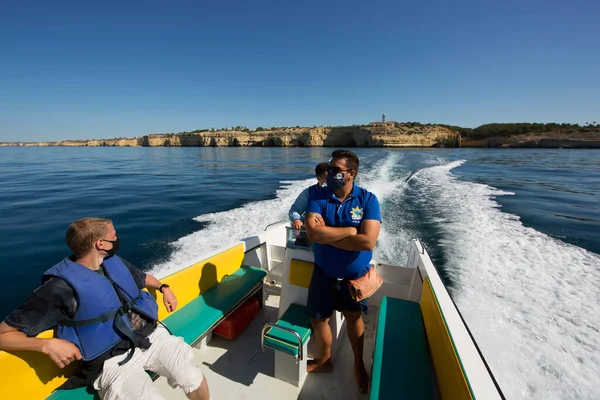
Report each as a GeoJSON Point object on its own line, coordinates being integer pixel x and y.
{"type": "Point", "coordinates": [240, 370]}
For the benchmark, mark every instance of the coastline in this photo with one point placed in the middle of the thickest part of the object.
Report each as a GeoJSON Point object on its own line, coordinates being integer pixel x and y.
{"type": "Point", "coordinates": [390, 135]}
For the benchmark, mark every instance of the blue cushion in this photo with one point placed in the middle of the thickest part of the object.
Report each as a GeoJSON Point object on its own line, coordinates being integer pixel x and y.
{"type": "Point", "coordinates": [401, 360]}
{"type": "Point", "coordinates": [202, 313]}
{"type": "Point", "coordinates": [295, 318]}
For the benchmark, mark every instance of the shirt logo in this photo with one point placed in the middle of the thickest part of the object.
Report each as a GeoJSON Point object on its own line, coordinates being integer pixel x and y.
{"type": "Point", "coordinates": [356, 213]}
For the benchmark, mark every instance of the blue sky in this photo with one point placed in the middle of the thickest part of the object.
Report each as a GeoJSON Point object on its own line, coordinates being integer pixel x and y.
{"type": "Point", "coordinates": [72, 70]}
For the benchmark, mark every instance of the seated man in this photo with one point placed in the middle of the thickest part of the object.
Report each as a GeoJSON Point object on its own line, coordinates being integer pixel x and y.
{"type": "Point", "coordinates": [343, 221]}
{"type": "Point", "coordinates": [95, 299]}
{"type": "Point", "coordinates": [298, 209]}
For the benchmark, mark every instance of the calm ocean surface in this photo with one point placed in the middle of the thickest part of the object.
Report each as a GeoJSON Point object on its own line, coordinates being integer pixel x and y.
{"type": "Point", "coordinates": [515, 233]}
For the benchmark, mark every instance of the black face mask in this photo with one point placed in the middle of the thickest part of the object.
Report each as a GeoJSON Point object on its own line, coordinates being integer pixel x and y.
{"type": "Point", "coordinates": [336, 181]}
{"type": "Point", "coordinates": [115, 247]}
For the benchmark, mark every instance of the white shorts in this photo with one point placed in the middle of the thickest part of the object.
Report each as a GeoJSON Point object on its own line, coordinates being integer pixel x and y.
{"type": "Point", "coordinates": [168, 356]}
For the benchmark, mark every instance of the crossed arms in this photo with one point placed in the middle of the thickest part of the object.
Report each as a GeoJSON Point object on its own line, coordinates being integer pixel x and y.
{"type": "Point", "coordinates": [348, 238]}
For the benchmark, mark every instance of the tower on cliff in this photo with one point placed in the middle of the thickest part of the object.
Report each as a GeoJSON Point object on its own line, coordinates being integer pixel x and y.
{"type": "Point", "coordinates": [383, 118]}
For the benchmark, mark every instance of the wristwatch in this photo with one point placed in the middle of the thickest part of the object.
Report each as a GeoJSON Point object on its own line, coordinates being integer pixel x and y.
{"type": "Point", "coordinates": [160, 288]}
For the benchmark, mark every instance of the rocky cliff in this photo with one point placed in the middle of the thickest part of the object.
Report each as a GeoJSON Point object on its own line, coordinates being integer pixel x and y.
{"type": "Point", "coordinates": [375, 135]}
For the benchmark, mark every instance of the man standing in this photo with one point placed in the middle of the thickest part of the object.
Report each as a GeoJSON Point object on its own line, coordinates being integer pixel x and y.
{"type": "Point", "coordinates": [298, 209]}
{"type": "Point", "coordinates": [103, 317]}
{"type": "Point", "coordinates": [343, 222]}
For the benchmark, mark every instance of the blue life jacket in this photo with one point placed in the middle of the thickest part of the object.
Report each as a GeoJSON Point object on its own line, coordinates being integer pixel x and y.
{"type": "Point", "coordinates": [100, 321]}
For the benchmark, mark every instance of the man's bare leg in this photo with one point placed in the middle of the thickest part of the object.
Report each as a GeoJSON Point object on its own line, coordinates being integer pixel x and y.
{"type": "Point", "coordinates": [356, 335]}
{"type": "Point", "coordinates": [323, 338]}
{"type": "Point", "coordinates": [201, 393]}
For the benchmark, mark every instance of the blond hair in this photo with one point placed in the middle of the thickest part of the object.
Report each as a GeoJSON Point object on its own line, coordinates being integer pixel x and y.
{"type": "Point", "coordinates": [83, 233]}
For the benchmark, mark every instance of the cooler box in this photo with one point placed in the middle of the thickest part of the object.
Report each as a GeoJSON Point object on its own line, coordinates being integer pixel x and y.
{"type": "Point", "coordinates": [234, 325]}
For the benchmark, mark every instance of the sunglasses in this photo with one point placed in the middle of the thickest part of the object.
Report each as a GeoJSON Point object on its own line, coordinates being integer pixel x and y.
{"type": "Point", "coordinates": [332, 169]}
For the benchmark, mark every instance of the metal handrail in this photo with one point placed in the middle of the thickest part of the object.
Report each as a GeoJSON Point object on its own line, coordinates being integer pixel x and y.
{"type": "Point", "coordinates": [275, 223]}
{"type": "Point", "coordinates": [300, 355]}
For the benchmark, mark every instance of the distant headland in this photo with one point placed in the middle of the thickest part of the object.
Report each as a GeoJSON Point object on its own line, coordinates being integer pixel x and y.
{"type": "Point", "coordinates": [375, 134]}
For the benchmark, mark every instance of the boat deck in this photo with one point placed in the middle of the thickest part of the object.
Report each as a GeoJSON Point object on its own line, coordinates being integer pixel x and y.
{"type": "Point", "coordinates": [240, 370]}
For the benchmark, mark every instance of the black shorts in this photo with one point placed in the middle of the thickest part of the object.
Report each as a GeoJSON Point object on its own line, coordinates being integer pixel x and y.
{"type": "Point", "coordinates": [326, 294]}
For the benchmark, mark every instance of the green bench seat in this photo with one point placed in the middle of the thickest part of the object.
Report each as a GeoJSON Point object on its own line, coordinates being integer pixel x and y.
{"type": "Point", "coordinates": [402, 366]}
{"type": "Point", "coordinates": [294, 318]}
{"type": "Point", "coordinates": [211, 307]}
{"type": "Point", "coordinates": [197, 318]}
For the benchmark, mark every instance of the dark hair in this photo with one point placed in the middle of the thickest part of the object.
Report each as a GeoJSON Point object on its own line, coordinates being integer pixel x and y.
{"type": "Point", "coordinates": [321, 168]}
{"type": "Point", "coordinates": [351, 158]}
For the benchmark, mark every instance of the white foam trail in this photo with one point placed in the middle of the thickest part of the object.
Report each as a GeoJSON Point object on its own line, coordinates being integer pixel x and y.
{"type": "Point", "coordinates": [531, 301]}
{"type": "Point", "coordinates": [380, 179]}
{"type": "Point", "coordinates": [228, 227]}
{"type": "Point", "coordinates": [386, 182]}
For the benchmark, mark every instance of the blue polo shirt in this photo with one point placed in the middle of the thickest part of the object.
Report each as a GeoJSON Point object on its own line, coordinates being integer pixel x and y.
{"type": "Point", "coordinates": [360, 205]}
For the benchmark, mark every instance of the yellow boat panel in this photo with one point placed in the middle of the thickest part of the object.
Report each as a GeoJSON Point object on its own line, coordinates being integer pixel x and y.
{"type": "Point", "coordinates": [450, 375]}
{"type": "Point", "coordinates": [29, 374]}
{"type": "Point", "coordinates": [300, 273]}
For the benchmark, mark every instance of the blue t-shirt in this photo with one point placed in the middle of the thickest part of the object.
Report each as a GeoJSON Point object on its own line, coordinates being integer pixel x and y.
{"type": "Point", "coordinates": [360, 205]}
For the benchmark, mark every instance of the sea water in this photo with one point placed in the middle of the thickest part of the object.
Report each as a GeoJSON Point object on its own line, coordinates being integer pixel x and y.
{"type": "Point", "coordinates": [515, 233]}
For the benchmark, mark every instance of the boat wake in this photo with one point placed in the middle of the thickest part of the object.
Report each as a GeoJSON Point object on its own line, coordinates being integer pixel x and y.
{"type": "Point", "coordinates": [389, 182]}
{"type": "Point", "coordinates": [530, 300]}
{"type": "Point", "coordinates": [226, 228]}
